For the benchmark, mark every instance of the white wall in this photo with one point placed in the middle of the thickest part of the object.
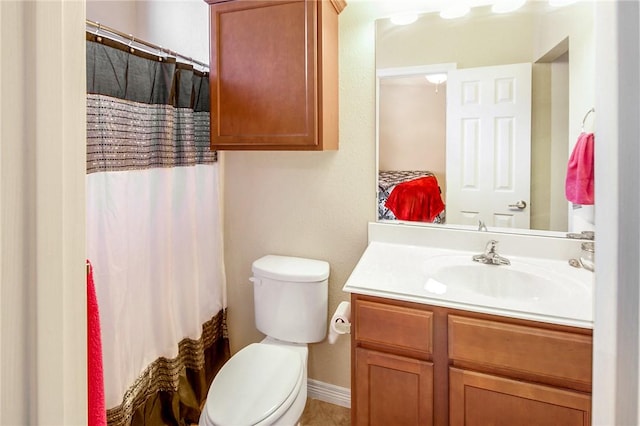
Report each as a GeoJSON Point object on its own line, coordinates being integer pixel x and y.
{"type": "Point", "coordinates": [616, 354]}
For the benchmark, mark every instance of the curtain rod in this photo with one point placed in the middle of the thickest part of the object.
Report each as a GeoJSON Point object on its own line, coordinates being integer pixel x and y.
{"type": "Point", "coordinates": [99, 27]}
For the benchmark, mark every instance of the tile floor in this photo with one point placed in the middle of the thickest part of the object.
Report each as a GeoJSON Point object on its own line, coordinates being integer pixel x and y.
{"type": "Point", "coordinates": [320, 413]}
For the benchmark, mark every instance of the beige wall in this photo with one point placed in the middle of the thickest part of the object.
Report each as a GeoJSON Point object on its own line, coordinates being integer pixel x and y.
{"type": "Point", "coordinates": [412, 126]}
{"type": "Point", "coordinates": [309, 204]}
{"type": "Point", "coordinates": [615, 390]}
{"type": "Point", "coordinates": [179, 25]}
{"type": "Point", "coordinates": [477, 40]}
{"type": "Point", "coordinates": [43, 375]}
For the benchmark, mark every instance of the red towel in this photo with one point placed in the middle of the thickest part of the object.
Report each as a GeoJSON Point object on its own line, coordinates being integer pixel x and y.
{"type": "Point", "coordinates": [97, 410]}
{"type": "Point", "coordinates": [579, 183]}
{"type": "Point", "coordinates": [416, 200]}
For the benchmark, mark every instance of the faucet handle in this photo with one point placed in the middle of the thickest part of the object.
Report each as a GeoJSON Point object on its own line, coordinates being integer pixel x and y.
{"type": "Point", "coordinates": [491, 246]}
{"type": "Point", "coordinates": [584, 235]}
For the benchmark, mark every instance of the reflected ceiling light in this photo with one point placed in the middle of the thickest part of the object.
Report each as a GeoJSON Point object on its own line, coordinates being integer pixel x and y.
{"type": "Point", "coordinates": [436, 78]}
{"type": "Point", "coordinates": [404, 18]}
{"type": "Point", "coordinates": [457, 10]}
{"type": "Point", "coordinates": [560, 3]}
{"type": "Point", "coordinates": [506, 6]}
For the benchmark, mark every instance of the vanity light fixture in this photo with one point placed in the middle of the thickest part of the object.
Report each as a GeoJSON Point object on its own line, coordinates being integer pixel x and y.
{"type": "Point", "coordinates": [404, 18]}
{"type": "Point", "coordinates": [456, 10]}
{"type": "Point", "coordinates": [507, 6]}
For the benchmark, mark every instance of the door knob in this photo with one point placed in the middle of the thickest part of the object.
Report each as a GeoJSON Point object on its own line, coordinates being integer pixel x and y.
{"type": "Point", "coordinates": [519, 205]}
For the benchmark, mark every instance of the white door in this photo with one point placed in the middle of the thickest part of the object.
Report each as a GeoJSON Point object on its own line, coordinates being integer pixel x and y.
{"type": "Point", "coordinates": [489, 145]}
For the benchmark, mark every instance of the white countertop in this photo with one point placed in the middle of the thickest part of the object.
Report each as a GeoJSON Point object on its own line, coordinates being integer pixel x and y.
{"type": "Point", "coordinates": [403, 271]}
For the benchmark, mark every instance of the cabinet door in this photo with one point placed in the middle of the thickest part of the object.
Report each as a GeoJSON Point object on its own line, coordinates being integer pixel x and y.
{"type": "Point", "coordinates": [392, 390]}
{"type": "Point", "coordinates": [477, 399]}
{"type": "Point", "coordinates": [264, 82]}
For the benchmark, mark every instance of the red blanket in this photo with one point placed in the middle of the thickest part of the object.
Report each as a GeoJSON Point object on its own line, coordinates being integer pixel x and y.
{"type": "Point", "coordinates": [416, 200]}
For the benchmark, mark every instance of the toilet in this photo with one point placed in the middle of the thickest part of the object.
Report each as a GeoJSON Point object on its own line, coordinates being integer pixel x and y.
{"type": "Point", "coordinates": [266, 383]}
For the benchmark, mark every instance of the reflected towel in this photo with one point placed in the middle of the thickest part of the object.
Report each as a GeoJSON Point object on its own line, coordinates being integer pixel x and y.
{"type": "Point", "coordinates": [416, 200]}
{"type": "Point", "coordinates": [579, 185]}
{"type": "Point", "coordinates": [95, 375]}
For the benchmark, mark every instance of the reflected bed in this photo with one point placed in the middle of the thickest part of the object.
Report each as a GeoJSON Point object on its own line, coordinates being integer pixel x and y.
{"type": "Point", "coordinates": [410, 195]}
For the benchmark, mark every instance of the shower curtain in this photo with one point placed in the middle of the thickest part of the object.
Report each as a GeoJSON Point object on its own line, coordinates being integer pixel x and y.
{"type": "Point", "coordinates": [153, 234]}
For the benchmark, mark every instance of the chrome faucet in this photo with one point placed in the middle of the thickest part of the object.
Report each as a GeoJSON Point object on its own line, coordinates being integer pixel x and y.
{"type": "Point", "coordinates": [490, 256]}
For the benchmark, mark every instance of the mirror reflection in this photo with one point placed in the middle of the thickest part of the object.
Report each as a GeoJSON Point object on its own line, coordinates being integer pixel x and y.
{"type": "Point", "coordinates": [478, 117]}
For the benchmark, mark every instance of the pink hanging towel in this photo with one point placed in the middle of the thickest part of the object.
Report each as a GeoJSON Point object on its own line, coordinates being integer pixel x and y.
{"type": "Point", "coordinates": [97, 410]}
{"type": "Point", "coordinates": [579, 183]}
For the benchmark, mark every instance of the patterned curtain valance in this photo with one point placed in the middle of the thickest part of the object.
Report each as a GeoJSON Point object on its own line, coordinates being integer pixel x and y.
{"type": "Point", "coordinates": [144, 111]}
{"type": "Point", "coordinates": [114, 71]}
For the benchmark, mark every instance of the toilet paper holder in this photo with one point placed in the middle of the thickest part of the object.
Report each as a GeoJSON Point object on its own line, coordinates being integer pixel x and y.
{"type": "Point", "coordinates": [345, 325]}
{"type": "Point", "coordinates": [340, 322]}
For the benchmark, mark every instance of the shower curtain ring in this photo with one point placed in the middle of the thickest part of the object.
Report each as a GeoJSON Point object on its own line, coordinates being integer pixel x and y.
{"type": "Point", "coordinates": [98, 36]}
{"type": "Point", "coordinates": [131, 49]}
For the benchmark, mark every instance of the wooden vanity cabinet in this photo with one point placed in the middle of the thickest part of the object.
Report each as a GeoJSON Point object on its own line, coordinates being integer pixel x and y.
{"type": "Point", "coordinates": [416, 364]}
{"type": "Point", "coordinates": [392, 381]}
{"type": "Point", "coordinates": [274, 74]}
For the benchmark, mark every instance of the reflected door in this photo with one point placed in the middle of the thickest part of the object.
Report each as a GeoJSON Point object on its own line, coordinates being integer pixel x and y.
{"type": "Point", "coordinates": [489, 145]}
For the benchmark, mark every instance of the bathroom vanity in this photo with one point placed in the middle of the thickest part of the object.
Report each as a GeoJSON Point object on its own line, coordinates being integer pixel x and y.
{"type": "Point", "coordinates": [422, 364]}
{"type": "Point", "coordinates": [459, 354]}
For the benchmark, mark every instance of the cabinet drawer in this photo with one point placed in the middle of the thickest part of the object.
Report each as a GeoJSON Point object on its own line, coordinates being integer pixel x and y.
{"type": "Point", "coordinates": [554, 355]}
{"type": "Point", "coordinates": [397, 326]}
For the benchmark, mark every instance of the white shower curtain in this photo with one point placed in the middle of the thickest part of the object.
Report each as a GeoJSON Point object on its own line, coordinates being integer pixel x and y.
{"type": "Point", "coordinates": [154, 234]}
{"type": "Point", "coordinates": [155, 243]}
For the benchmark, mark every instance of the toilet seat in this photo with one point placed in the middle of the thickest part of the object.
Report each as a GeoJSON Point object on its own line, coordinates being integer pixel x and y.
{"type": "Point", "coordinates": [256, 386]}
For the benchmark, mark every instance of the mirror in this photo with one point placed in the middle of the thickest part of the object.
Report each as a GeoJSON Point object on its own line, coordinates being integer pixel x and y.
{"type": "Point", "coordinates": [425, 137]}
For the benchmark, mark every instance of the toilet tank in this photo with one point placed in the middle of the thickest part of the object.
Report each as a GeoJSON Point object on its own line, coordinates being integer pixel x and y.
{"type": "Point", "coordinates": [290, 297]}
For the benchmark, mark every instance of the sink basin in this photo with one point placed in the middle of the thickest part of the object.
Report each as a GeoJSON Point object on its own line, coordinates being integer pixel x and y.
{"type": "Point", "coordinates": [532, 288]}
{"type": "Point", "coordinates": [519, 282]}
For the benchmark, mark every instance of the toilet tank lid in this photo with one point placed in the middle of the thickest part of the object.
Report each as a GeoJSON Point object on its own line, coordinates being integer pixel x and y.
{"type": "Point", "coordinates": [288, 268]}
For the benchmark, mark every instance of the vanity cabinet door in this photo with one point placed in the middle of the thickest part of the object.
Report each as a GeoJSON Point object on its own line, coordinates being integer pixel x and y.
{"type": "Point", "coordinates": [274, 74]}
{"type": "Point", "coordinates": [477, 399]}
{"type": "Point", "coordinates": [392, 389]}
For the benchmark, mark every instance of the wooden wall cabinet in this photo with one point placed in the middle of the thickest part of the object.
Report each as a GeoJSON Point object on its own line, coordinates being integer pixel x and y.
{"type": "Point", "coordinates": [416, 364]}
{"type": "Point", "coordinates": [274, 74]}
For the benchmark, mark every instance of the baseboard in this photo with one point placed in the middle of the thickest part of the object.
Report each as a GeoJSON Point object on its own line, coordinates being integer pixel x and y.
{"type": "Point", "coordinates": [329, 393]}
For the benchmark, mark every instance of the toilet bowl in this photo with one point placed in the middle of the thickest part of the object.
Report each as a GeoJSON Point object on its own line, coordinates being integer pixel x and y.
{"type": "Point", "coordinates": [263, 384]}
{"type": "Point", "coordinates": [266, 383]}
